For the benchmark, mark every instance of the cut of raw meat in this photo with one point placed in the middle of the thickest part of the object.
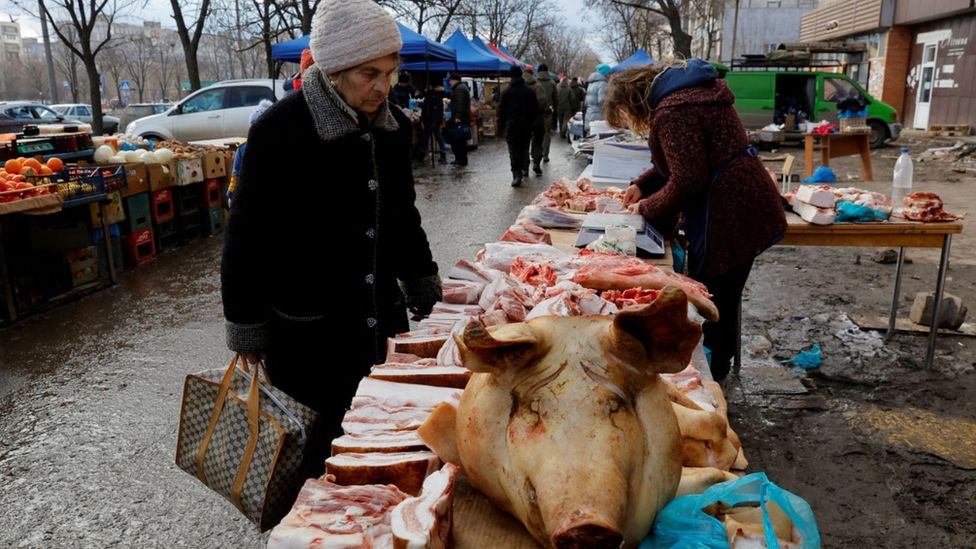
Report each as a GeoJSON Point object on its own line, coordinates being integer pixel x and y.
{"type": "Point", "coordinates": [462, 292]}
{"type": "Point", "coordinates": [550, 218]}
{"type": "Point", "coordinates": [509, 295]}
{"type": "Point", "coordinates": [570, 299]}
{"type": "Point", "coordinates": [618, 272]}
{"type": "Point", "coordinates": [526, 232]}
{"type": "Point", "coordinates": [473, 272]}
{"type": "Point", "coordinates": [630, 298]}
{"type": "Point", "coordinates": [876, 201]}
{"type": "Point", "coordinates": [821, 196]}
{"type": "Point", "coordinates": [424, 522]}
{"type": "Point", "coordinates": [457, 309]}
{"type": "Point", "coordinates": [424, 346]}
{"type": "Point", "coordinates": [422, 374]}
{"type": "Point", "coordinates": [379, 441]}
{"type": "Point", "coordinates": [927, 208]}
{"type": "Point", "coordinates": [813, 214]}
{"type": "Point", "coordinates": [377, 417]}
{"type": "Point", "coordinates": [501, 255]}
{"type": "Point", "coordinates": [397, 395]}
{"type": "Point", "coordinates": [534, 273]}
{"type": "Point", "coordinates": [326, 515]}
{"type": "Point", "coordinates": [405, 470]}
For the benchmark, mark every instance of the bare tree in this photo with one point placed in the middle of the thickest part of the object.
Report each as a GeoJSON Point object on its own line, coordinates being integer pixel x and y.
{"type": "Point", "coordinates": [419, 13]}
{"type": "Point", "coordinates": [673, 11]}
{"type": "Point", "coordinates": [66, 63]}
{"type": "Point", "coordinates": [558, 45]}
{"type": "Point", "coordinates": [628, 28]}
{"type": "Point", "coordinates": [167, 69]}
{"type": "Point", "coordinates": [91, 21]}
{"type": "Point", "coordinates": [113, 63]}
{"type": "Point", "coordinates": [139, 62]}
{"type": "Point", "coordinates": [300, 13]}
{"type": "Point", "coordinates": [190, 38]}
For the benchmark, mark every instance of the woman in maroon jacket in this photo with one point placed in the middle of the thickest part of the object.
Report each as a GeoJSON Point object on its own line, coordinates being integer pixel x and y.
{"type": "Point", "coordinates": [706, 173]}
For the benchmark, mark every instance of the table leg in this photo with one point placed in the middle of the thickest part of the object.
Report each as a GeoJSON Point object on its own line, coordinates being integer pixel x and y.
{"type": "Point", "coordinates": [937, 305]}
{"type": "Point", "coordinates": [893, 315]}
{"type": "Point", "coordinates": [8, 289]}
{"type": "Point", "coordinates": [808, 156]}
{"type": "Point", "coordinates": [737, 359]}
{"type": "Point", "coordinates": [825, 151]}
{"type": "Point", "coordinates": [112, 275]}
{"type": "Point", "coordinates": [866, 170]}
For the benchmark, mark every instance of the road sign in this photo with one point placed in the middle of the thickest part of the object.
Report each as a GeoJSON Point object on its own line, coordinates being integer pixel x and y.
{"type": "Point", "coordinates": [125, 85]}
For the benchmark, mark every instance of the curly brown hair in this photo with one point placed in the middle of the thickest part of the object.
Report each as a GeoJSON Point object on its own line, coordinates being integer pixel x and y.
{"type": "Point", "coordinates": [628, 101]}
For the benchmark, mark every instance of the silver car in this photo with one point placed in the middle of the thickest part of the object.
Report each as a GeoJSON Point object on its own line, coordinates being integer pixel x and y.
{"type": "Point", "coordinates": [79, 111]}
{"type": "Point", "coordinates": [219, 111]}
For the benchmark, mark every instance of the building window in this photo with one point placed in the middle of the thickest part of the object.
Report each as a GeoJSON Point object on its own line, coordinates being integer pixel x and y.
{"type": "Point", "coordinates": [808, 3]}
{"type": "Point", "coordinates": [774, 3]}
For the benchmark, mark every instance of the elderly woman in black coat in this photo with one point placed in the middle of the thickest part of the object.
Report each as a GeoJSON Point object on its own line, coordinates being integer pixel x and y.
{"type": "Point", "coordinates": [321, 262]}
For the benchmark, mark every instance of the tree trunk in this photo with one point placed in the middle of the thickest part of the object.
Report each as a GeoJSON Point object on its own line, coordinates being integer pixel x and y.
{"type": "Point", "coordinates": [192, 67]}
{"type": "Point", "coordinates": [681, 39]}
{"type": "Point", "coordinates": [95, 94]}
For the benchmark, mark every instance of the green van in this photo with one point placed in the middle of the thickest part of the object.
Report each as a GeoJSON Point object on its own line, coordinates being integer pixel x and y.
{"type": "Point", "coordinates": [762, 94]}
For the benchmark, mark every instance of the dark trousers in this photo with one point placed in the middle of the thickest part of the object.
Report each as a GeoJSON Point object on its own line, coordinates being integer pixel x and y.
{"type": "Point", "coordinates": [540, 133]}
{"type": "Point", "coordinates": [722, 337]}
{"type": "Point", "coordinates": [518, 147]}
{"type": "Point", "coordinates": [438, 135]}
{"type": "Point", "coordinates": [460, 150]}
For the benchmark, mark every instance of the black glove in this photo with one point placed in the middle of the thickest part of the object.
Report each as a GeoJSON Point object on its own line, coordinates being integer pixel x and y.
{"type": "Point", "coordinates": [422, 294]}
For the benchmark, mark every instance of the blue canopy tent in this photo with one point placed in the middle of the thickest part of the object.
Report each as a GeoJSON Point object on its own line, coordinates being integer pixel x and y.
{"type": "Point", "coordinates": [481, 46]}
{"type": "Point", "coordinates": [639, 59]}
{"type": "Point", "coordinates": [290, 50]}
{"type": "Point", "coordinates": [417, 54]}
{"type": "Point", "coordinates": [420, 53]}
{"type": "Point", "coordinates": [471, 59]}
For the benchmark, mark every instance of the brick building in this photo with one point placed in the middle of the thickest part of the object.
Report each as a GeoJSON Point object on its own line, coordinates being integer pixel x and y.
{"type": "Point", "coordinates": [921, 56]}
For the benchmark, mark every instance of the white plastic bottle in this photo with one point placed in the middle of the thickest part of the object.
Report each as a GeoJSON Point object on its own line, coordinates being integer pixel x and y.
{"type": "Point", "coordinates": [902, 182]}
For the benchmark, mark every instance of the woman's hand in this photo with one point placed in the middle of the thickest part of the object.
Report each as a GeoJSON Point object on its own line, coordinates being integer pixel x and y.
{"type": "Point", "coordinates": [632, 195]}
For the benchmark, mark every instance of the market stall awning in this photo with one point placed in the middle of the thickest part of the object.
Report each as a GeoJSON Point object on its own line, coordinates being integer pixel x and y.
{"type": "Point", "coordinates": [417, 54]}
{"type": "Point", "coordinates": [508, 57]}
{"type": "Point", "coordinates": [472, 59]}
{"type": "Point", "coordinates": [290, 50]}
{"type": "Point", "coordinates": [639, 59]}
{"type": "Point", "coordinates": [420, 53]}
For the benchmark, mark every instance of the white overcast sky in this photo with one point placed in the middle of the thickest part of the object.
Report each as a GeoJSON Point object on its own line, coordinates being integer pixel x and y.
{"type": "Point", "coordinates": [159, 10]}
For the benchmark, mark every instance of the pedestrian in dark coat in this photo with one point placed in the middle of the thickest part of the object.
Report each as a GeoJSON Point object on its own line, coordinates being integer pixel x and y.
{"type": "Point", "coordinates": [403, 92]}
{"type": "Point", "coordinates": [432, 120]}
{"type": "Point", "coordinates": [460, 118]}
{"type": "Point", "coordinates": [539, 131]}
{"type": "Point", "coordinates": [547, 103]}
{"type": "Point", "coordinates": [576, 102]}
{"type": "Point", "coordinates": [706, 172]}
{"type": "Point", "coordinates": [317, 273]}
{"type": "Point", "coordinates": [517, 112]}
{"type": "Point", "coordinates": [564, 108]}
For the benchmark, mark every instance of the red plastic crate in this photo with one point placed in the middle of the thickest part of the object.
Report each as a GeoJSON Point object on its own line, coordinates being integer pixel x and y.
{"type": "Point", "coordinates": [161, 204]}
{"type": "Point", "coordinates": [211, 197]}
{"type": "Point", "coordinates": [139, 247]}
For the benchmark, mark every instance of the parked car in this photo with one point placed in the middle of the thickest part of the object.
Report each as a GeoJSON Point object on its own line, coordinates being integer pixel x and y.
{"type": "Point", "coordinates": [135, 111]}
{"type": "Point", "coordinates": [14, 115]}
{"type": "Point", "coordinates": [760, 93]}
{"type": "Point", "coordinates": [78, 111]}
{"type": "Point", "coordinates": [221, 110]}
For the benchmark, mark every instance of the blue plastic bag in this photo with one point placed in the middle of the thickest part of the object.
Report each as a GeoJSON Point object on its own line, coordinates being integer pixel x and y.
{"type": "Point", "coordinates": [807, 360]}
{"type": "Point", "coordinates": [823, 174]}
{"type": "Point", "coordinates": [850, 212]}
{"type": "Point", "coordinates": [683, 525]}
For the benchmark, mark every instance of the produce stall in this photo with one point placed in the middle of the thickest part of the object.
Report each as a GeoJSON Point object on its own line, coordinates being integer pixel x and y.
{"type": "Point", "coordinates": [70, 228]}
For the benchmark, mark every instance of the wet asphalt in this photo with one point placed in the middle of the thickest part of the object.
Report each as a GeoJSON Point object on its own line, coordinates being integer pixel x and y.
{"type": "Point", "coordinates": [90, 392]}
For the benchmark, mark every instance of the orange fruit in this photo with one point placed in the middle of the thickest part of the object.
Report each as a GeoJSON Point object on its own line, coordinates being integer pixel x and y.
{"type": "Point", "coordinates": [19, 177]}
{"type": "Point", "coordinates": [33, 164]}
{"type": "Point", "coordinates": [12, 166]}
{"type": "Point", "coordinates": [46, 170]}
{"type": "Point", "coordinates": [56, 164]}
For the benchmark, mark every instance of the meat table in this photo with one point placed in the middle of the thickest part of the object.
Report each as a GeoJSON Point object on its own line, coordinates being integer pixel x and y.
{"type": "Point", "coordinates": [894, 234]}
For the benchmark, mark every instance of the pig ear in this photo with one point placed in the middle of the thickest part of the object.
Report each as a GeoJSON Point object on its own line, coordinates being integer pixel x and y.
{"type": "Point", "coordinates": [663, 329]}
{"type": "Point", "coordinates": [501, 349]}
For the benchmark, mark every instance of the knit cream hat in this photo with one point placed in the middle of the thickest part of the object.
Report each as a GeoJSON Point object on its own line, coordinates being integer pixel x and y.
{"type": "Point", "coordinates": [347, 33]}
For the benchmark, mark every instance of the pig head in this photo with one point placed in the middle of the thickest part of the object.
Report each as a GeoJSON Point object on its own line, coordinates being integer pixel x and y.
{"type": "Point", "coordinates": [566, 424]}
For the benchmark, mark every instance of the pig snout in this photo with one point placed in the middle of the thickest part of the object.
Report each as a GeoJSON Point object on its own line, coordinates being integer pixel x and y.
{"type": "Point", "coordinates": [587, 531]}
